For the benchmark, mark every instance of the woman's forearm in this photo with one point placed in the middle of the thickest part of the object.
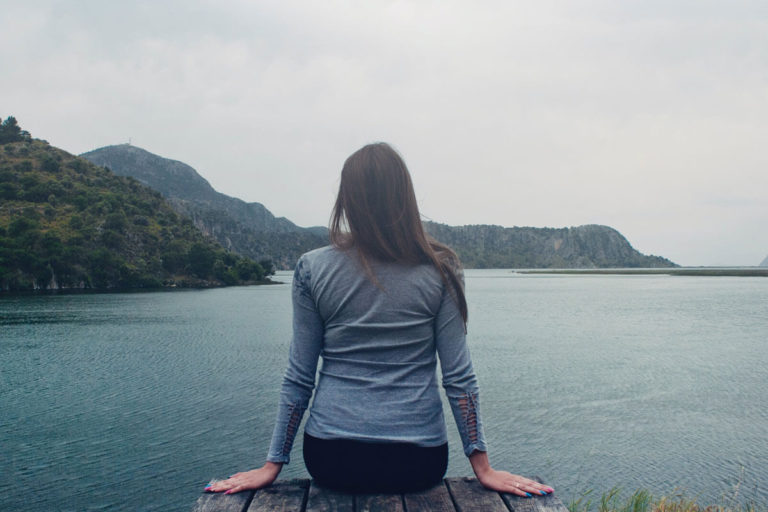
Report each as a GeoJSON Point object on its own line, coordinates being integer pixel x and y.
{"type": "Point", "coordinates": [480, 463]}
{"type": "Point", "coordinates": [273, 468]}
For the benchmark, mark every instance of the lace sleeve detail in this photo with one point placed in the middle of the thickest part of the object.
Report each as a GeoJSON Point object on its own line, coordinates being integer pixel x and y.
{"type": "Point", "coordinates": [465, 410]}
{"type": "Point", "coordinates": [468, 406]}
{"type": "Point", "coordinates": [289, 427]}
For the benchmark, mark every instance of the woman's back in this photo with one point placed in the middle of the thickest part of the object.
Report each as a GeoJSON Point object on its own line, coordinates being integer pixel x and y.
{"type": "Point", "coordinates": [377, 380]}
{"type": "Point", "coordinates": [377, 307]}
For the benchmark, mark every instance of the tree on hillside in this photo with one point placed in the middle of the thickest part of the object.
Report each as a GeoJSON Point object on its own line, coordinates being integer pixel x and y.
{"type": "Point", "coordinates": [268, 266]}
{"type": "Point", "coordinates": [201, 259]}
{"type": "Point", "coordinates": [10, 131]}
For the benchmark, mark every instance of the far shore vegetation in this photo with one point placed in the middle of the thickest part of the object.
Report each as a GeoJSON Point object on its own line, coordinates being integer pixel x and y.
{"type": "Point", "coordinates": [677, 271]}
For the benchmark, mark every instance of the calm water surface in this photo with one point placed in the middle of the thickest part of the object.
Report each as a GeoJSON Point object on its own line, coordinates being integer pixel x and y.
{"type": "Point", "coordinates": [134, 401]}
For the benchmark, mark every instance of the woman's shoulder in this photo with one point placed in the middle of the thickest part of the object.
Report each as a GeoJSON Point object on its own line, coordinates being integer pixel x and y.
{"type": "Point", "coordinates": [328, 259]}
{"type": "Point", "coordinates": [328, 252]}
{"type": "Point", "coordinates": [323, 258]}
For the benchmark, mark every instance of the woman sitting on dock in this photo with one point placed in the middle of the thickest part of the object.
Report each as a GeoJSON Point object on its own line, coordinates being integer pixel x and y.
{"type": "Point", "coordinates": [379, 305]}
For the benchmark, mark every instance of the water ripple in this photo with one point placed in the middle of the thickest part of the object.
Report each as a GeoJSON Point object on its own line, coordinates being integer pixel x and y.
{"type": "Point", "coordinates": [134, 401]}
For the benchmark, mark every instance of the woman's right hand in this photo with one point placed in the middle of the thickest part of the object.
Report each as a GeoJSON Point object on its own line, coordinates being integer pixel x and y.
{"type": "Point", "coordinates": [246, 480]}
{"type": "Point", "coordinates": [503, 481]}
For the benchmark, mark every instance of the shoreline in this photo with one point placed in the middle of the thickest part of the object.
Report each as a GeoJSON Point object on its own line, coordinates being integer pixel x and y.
{"type": "Point", "coordinates": [676, 271]}
{"type": "Point", "coordinates": [164, 288]}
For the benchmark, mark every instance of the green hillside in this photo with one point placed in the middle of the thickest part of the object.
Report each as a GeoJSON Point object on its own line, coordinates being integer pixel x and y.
{"type": "Point", "coordinates": [66, 223]}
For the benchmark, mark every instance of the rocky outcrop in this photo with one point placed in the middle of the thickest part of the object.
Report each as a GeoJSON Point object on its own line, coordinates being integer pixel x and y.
{"type": "Point", "coordinates": [590, 246]}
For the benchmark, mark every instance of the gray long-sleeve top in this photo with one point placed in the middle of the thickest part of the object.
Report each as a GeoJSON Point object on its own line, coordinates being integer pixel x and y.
{"type": "Point", "coordinates": [379, 343]}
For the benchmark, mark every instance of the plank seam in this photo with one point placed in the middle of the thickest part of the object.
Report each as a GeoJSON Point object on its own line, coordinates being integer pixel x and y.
{"type": "Point", "coordinates": [506, 503]}
{"type": "Point", "coordinates": [450, 494]}
{"type": "Point", "coordinates": [248, 501]}
{"type": "Point", "coordinates": [305, 499]}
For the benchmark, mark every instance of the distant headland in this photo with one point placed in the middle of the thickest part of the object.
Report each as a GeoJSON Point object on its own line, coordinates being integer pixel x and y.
{"type": "Point", "coordinates": [252, 230]}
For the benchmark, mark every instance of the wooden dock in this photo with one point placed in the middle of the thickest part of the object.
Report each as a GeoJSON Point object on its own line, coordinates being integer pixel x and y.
{"type": "Point", "coordinates": [453, 495]}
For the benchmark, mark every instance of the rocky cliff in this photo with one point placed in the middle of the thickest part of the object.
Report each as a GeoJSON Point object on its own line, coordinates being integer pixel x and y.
{"type": "Point", "coordinates": [248, 229]}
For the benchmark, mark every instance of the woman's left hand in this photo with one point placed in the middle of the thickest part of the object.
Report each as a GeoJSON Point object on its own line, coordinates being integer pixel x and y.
{"type": "Point", "coordinates": [253, 479]}
{"type": "Point", "coordinates": [504, 481]}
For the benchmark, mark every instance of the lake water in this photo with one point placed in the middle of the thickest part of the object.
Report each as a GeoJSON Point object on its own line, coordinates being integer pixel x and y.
{"type": "Point", "coordinates": [134, 401]}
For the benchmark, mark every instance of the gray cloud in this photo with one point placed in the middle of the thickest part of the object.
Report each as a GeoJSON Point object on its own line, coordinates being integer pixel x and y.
{"type": "Point", "coordinates": [646, 116]}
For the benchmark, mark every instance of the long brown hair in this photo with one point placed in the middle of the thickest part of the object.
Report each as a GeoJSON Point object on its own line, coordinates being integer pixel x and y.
{"type": "Point", "coordinates": [377, 204]}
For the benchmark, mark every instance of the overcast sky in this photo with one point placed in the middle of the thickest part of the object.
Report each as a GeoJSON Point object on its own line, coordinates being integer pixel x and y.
{"type": "Point", "coordinates": [647, 116]}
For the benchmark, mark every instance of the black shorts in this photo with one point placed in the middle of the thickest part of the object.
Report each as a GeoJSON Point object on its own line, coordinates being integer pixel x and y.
{"type": "Point", "coordinates": [367, 467]}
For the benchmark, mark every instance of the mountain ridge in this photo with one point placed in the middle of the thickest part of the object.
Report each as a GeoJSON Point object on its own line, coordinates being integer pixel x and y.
{"type": "Point", "coordinates": [181, 181]}
{"type": "Point", "coordinates": [249, 229]}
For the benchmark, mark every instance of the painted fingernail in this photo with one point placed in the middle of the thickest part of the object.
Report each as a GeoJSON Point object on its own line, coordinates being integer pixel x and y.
{"type": "Point", "coordinates": [549, 489]}
{"type": "Point", "coordinates": [227, 492]}
{"type": "Point", "coordinates": [529, 495]}
{"type": "Point", "coordinates": [543, 493]}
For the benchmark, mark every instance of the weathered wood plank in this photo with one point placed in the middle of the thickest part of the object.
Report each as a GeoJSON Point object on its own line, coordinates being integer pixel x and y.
{"type": "Point", "coordinates": [288, 495]}
{"type": "Point", "coordinates": [548, 503]}
{"type": "Point", "coordinates": [379, 503]}
{"type": "Point", "coordinates": [436, 499]}
{"type": "Point", "coordinates": [325, 500]}
{"type": "Point", "coordinates": [220, 502]}
{"type": "Point", "coordinates": [469, 495]}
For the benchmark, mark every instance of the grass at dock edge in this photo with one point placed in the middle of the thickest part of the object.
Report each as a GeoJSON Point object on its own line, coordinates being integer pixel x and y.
{"type": "Point", "coordinates": [643, 501]}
